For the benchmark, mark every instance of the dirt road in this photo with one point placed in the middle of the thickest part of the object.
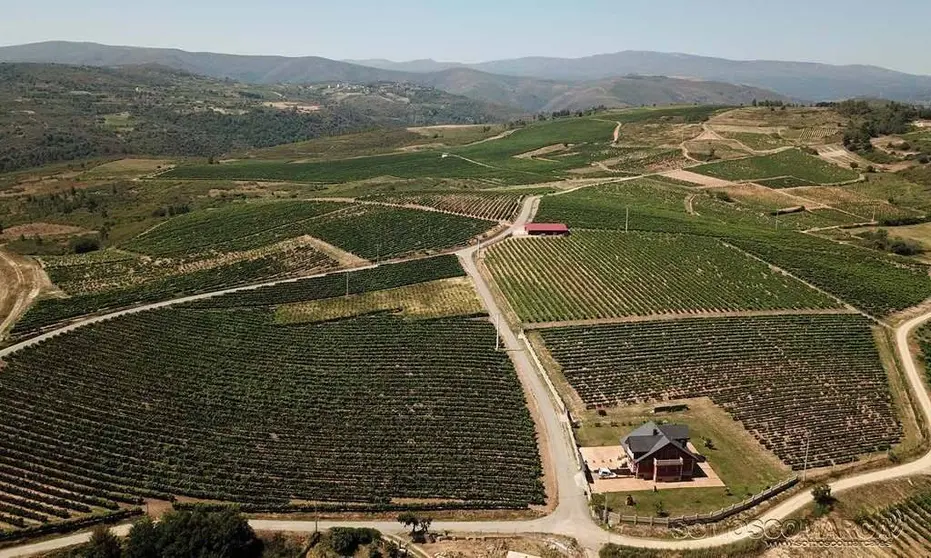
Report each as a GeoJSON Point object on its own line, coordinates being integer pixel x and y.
{"type": "Point", "coordinates": [571, 516]}
{"type": "Point", "coordinates": [22, 280]}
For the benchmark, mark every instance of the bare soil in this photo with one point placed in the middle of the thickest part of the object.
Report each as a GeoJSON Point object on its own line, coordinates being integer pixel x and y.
{"type": "Point", "coordinates": [45, 230]}
{"type": "Point", "coordinates": [22, 280]}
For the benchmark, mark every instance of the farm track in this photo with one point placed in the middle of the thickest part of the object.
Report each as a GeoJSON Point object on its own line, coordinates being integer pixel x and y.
{"type": "Point", "coordinates": [571, 516]}
{"type": "Point", "coordinates": [22, 282]}
{"type": "Point", "coordinates": [685, 316]}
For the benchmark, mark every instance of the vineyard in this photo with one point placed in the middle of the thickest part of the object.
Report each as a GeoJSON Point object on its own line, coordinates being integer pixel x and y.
{"type": "Point", "coordinates": [434, 299]}
{"type": "Point", "coordinates": [356, 413]}
{"type": "Point", "coordinates": [784, 377]}
{"type": "Point", "coordinates": [378, 232]}
{"type": "Point", "coordinates": [903, 526]}
{"type": "Point", "coordinates": [116, 283]}
{"type": "Point", "coordinates": [607, 275]}
{"type": "Point", "coordinates": [490, 206]}
{"type": "Point", "coordinates": [793, 163]}
{"type": "Point", "coordinates": [876, 283]}
{"type": "Point", "coordinates": [386, 276]}
{"type": "Point", "coordinates": [236, 227]}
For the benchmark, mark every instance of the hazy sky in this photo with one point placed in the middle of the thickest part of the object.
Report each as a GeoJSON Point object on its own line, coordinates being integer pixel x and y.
{"type": "Point", "coordinates": [894, 33]}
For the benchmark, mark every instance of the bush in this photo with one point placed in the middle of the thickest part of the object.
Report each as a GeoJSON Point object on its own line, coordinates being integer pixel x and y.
{"type": "Point", "coordinates": [346, 540]}
{"type": "Point", "coordinates": [85, 245]}
{"type": "Point", "coordinates": [103, 544]}
{"type": "Point", "coordinates": [221, 534]}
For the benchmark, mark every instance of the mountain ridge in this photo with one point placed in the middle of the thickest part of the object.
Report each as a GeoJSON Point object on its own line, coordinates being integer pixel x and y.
{"type": "Point", "coordinates": [530, 93]}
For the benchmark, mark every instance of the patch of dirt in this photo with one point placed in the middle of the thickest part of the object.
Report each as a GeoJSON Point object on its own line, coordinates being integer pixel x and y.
{"type": "Point", "coordinates": [548, 150]}
{"type": "Point", "coordinates": [836, 154]}
{"type": "Point", "coordinates": [292, 105]}
{"type": "Point", "coordinates": [345, 259]}
{"type": "Point", "coordinates": [697, 179]}
{"type": "Point", "coordinates": [45, 230]}
{"type": "Point", "coordinates": [497, 546]}
{"type": "Point", "coordinates": [22, 280]}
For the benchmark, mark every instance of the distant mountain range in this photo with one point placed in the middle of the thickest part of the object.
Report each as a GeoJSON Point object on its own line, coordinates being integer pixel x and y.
{"type": "Point", "coordinates": [801, 80]}
{"type": "Point", "coordinates": [532, 84]}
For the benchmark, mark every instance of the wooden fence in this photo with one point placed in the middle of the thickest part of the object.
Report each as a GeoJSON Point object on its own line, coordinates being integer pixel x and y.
{"type": "Point", "coordinates": [712, 517]}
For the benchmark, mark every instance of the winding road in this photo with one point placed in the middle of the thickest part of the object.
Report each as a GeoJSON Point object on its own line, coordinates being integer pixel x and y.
{"type": "Point", "coordinates": [571, 516]}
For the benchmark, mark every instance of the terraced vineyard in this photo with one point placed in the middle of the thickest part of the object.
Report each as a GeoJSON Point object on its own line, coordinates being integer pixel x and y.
{"type": "Point", "coordinates": [595, 274]}
{"type": "Point", "coordinates": [877, 283]}
{"type": "Point", "coordinates": [784, 377]}
{"type": "Point", "coordinates": [493, 207]}
{"type": "Point", "coordinates": [792, 162]}
{"type": "Point", "coordinates": [361, 413]}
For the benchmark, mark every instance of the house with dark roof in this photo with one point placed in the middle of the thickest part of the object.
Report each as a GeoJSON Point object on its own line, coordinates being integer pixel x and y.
{"type": "Point", "coordinates": [660, 452]}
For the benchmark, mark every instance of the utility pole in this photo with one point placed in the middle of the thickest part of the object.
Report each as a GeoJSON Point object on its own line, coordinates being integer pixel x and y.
{"type": "Point", "coordinates": [626, 217]}
{"type": "Point", "coordinates": [805, 467]}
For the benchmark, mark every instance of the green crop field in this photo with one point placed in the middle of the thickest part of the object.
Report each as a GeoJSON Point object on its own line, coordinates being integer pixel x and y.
{"type": "Point", "coordinates": [874, 282]}
{"type": "Point", "coordinates": [220, 399]}
{"type": "Point", "coordinates": [376, 232]}
{"type": "Point", "coordinates": [235, 227]}
{"type": "Point", "coordinates": [647, 204]}
{"type": "Point", "coordinates": [784, 377]}
{"type": "Point", "coordinates": [382, 277]}
{"type": "Point", "coordinates": [792, 162]}
{"type": "Point", "coordinates": [784, 182]}
{"type": "Point", "coordinates": [758, 142]}
{"type": "Point", "coordinates": [594, 275]}
{"type": "Point", "coordinates": [406, 165]}
{"type": "Point", "coordinates": [111, 290]}
{"type": "Point", "coordinates": [233, 407]}
{"type": "Point", "coordinates": [481, 205]}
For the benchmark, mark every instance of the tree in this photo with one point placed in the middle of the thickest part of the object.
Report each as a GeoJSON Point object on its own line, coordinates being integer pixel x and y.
{"type": "Point", "coordinates": [410, 520]}
{"type": "Point", "coordinates": [103, 544]}
{"type": "Point", "coordinates": [823, 499]}
{"type": "Point", "coordinates": [142, 541]}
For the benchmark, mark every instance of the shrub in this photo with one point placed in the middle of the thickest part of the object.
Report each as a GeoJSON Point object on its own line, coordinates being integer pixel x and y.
{"type": "Point", "coordinates": [85, 245]}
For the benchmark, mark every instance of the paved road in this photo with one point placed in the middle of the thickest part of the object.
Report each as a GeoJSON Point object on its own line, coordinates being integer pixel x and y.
{"type": "Point", "coordinates": [571, 516]}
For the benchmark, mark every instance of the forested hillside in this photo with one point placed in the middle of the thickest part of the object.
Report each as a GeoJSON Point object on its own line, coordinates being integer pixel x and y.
{"type": "Point", "coordinates": [51, 113]}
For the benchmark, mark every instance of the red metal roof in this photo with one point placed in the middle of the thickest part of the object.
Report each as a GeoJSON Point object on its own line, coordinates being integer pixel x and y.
{"type": "Point", "coordinates": [546, 227]}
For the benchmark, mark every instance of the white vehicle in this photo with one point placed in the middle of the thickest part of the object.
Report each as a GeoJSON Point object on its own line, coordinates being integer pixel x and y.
{"type": "Point", "coordinates": [604, 473]}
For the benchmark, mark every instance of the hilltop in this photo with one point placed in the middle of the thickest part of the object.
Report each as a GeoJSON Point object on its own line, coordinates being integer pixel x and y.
{"type": "Point", "coordinates": [528, 93]}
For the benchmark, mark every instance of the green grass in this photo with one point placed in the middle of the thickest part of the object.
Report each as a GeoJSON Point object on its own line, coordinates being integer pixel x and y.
{"type": "Point", "coordinates": [737, 458]}
{"type": "Point", "coordinates": [792, 162]}
{"type": "Point", "coordinates": [896, 189]}
{"type": "Point", "coordinates": [608, 275]}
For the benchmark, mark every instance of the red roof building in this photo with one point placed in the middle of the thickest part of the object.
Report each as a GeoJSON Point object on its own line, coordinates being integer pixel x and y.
{"type": "Point", "coordinates": [546, 229]}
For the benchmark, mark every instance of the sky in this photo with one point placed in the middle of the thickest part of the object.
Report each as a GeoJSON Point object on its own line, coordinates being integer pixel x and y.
{"type": "Point", "coordinates": [894, 34]}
